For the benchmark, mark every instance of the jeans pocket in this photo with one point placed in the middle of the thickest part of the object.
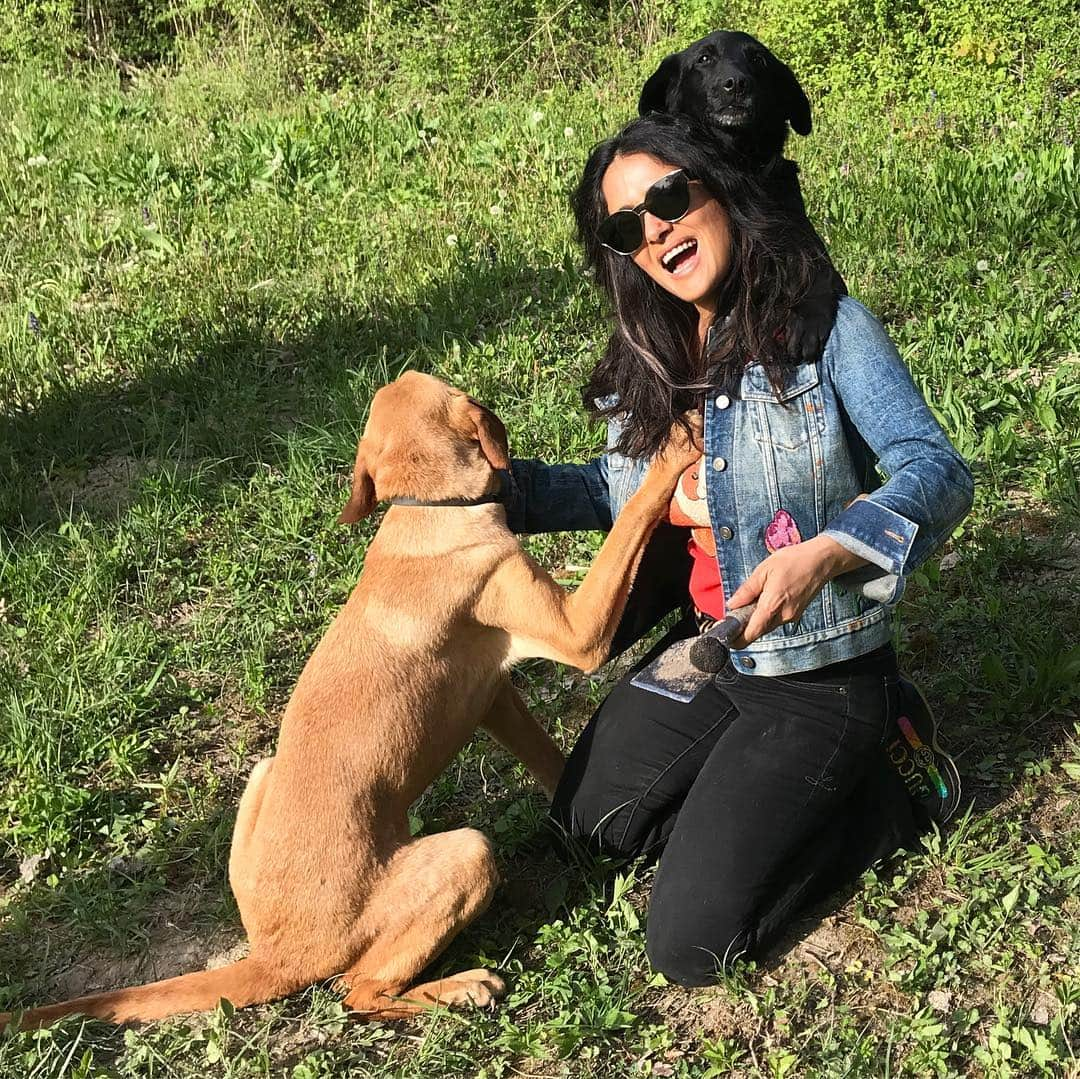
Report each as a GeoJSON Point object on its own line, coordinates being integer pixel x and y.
{"type": "Point", "coordinates": [892, 707]}
{"type": "Point", "coordinates": [837, 685]}
{"type": "Point", "coordinates": [874, 706]}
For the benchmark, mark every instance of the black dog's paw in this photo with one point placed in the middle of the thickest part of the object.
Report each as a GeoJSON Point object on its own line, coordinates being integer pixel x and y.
{"type": "Point", "coordinates": [808, 328]}
{"type": "Point", "coordinates": [811, 319]}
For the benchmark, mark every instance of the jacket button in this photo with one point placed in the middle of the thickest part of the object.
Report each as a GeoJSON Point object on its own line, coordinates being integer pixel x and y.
{"type": "Point", "coordinates": [723, 401]}
{"type": "Point", "coordinates": [719, 464]}
{"type": "Point", "coordinates": [726, 533]}
{"type": "Point", "coordinates": [747, 662]}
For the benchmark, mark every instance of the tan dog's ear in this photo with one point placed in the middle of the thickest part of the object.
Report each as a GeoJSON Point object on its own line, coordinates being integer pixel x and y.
{"type": "Point", "coordinates": [490, 433]}
{"type": "Point", "coordinates": [362, 500]}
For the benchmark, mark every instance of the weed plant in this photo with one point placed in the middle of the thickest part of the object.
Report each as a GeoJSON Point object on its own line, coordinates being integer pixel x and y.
{"type": "Point", "coordinates": [223, 228]}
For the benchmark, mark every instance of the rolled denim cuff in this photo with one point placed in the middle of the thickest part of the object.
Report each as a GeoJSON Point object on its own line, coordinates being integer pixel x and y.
{"type": "Point", "coordinates": [870, 583]}
{"type": "Point", "coordinates": [876, 533]}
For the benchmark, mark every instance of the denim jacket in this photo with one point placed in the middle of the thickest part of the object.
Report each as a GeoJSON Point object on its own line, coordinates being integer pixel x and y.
{"type": "Point", "coordinates": [810, 450]}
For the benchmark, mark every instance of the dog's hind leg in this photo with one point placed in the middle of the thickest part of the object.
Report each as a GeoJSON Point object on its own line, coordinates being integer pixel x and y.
{"type": "Point", "coordinates": [247, 813]}
{"type": "Point", "coordinates": [432, 888]}
{"type": "Point", "coordinates": [250, 801]}
{"type": "Point", "coordinates": [517, 730]}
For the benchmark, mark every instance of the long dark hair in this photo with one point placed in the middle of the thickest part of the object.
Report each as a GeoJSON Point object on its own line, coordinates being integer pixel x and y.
{"type": "Point", "coordinates": [654, 368]}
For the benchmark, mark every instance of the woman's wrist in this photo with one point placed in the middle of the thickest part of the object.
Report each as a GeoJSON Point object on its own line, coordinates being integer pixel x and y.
{"type": "Point", "coordinates": [834, 559]}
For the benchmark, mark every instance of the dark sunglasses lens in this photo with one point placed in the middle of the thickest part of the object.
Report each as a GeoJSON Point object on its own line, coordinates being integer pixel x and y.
{"type": "Point", "coordinates": [621, 231]}
{"type": "Point", "coordinates": [669, 197]}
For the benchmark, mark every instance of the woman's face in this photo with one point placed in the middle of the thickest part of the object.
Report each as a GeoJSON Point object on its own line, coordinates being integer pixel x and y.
{"type": "Point", "coordinates": [689, 258]}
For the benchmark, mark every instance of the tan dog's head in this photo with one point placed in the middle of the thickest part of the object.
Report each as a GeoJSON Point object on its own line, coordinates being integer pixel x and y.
{"type": "Point", "coordinates": [426, 440]}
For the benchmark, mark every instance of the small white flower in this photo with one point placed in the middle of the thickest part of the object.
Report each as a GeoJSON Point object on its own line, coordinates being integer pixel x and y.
{"type": "Point", "coordinates": [451, 240]}
{"type": "Point", "coordinates": [37, 161]}
{"type": "Point", "coordinates": [982, 265]}
{"type": "Point", "coordinates": [568, 132]}
{"type": "Point", "coordinates": [536, 116]}
{"type": "Point", "coordinates": [495, 211]}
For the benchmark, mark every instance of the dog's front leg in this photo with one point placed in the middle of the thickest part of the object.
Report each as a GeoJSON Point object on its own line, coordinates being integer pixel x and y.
{"type": "Point", "coordinates": [543, 619]}
{"type": "Point", "coordinates": [518, 731]}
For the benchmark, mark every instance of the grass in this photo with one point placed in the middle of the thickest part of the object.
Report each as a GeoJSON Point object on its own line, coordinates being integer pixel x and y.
{"type": "Point", "coordinates": [207, 266]}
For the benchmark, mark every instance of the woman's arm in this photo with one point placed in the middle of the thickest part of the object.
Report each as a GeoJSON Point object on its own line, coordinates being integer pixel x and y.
{"type": "Point", "coordinates": [891, 530]}
{"type": "Point", "coordinates": [929, 489]}
{"type": "Point", "coordinates": [559, 498]}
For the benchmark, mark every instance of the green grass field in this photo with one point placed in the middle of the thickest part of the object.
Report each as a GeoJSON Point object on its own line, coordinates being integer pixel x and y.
{"type": "Point", "coordinates": [211, 257]}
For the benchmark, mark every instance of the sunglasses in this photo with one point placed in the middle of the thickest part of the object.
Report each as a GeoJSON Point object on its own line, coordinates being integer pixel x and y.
{"type": "Point", "coordinates": [668, 199]}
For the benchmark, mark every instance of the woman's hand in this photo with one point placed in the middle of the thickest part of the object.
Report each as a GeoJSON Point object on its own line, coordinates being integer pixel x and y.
{"type": "Point", "coordinates": [785, 583]}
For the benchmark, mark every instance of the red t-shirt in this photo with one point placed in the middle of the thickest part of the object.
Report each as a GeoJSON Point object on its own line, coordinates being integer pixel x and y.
{"type": "Point", "coordinates": [689, 510]}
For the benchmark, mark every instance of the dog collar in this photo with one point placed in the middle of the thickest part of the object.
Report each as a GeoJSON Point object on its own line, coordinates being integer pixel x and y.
{"type": "Point", "coordinates": [499, 496]}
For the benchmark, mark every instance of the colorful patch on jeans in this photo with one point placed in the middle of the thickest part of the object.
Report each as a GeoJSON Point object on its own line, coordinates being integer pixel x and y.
{"type": "Point", "coordinates": [924, 755]}
{"type": "Point", "coordinates": [781, 531]}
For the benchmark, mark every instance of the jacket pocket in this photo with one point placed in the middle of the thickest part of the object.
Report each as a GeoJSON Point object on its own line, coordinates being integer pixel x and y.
{"type": "Point", "coordinates": [783, 420]}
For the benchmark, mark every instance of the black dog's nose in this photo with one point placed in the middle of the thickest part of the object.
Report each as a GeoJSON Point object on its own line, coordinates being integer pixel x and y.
{"type": "Point", "coordinates": [732, 85]}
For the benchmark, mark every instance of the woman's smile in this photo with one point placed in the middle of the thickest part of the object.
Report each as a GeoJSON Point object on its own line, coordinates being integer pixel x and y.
{"type": "Point", "coordinates": [680, 258]}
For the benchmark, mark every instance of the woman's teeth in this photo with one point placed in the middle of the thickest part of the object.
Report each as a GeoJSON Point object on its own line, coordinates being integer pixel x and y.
{"type": "Point", "coordinates": [681, 253]}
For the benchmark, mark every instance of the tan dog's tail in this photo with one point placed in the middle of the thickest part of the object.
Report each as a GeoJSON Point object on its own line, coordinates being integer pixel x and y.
{"type": "Point", "coordinates": [245, 982]}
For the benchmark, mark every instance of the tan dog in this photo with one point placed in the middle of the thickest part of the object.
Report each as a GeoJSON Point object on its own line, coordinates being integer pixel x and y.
{"type": "Point", "coordinates": [326, 876]}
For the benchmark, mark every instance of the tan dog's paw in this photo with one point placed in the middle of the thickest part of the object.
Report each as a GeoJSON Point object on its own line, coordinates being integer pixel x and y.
{"type": "Point", "coordinates": [476, 988]}
{"type": "Point", "coordinates": [681, 450]}
{"type": "Point", "coordinates": [480, 988]}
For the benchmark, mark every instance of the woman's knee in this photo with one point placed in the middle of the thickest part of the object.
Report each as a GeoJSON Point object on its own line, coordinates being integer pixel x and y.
{"type": "Point", "coordinates": [579, 823]}
{"type": "Point", "coordinates": [695, 956]}
{"type": "Point", "coordinates": [592, 810]}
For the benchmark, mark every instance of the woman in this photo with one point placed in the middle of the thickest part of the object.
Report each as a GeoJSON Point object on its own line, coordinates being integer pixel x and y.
{"type": "Point", "coordinates": [794, 768]}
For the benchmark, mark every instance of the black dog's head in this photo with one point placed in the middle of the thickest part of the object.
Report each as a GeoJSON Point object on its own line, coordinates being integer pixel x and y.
{"type": "Point", "coordinates": [733, 85]}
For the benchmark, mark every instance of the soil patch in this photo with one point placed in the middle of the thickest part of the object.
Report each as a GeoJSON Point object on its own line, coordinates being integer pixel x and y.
{"type": "Point", "coordinates": [107, 488]}
{"type": "Point", "coordinates": [172, 946]}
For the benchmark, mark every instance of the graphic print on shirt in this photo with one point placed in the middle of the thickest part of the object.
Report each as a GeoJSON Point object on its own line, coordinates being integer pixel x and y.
{"type": "Point", "coordinates": [689, 509]}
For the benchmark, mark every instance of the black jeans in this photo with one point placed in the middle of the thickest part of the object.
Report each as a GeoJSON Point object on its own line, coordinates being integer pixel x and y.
{"type": "Point", "coordinates": [760, 796]}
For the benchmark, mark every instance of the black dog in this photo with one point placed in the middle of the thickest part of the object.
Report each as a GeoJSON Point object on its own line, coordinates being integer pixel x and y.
{"type": "Point", "coordinates": [732, 85]}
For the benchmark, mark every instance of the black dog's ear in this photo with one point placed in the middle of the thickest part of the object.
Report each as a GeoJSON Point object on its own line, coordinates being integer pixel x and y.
{"type": "Point", "coordinates": [797, 104]}
{"type": "Point", "coordinates": [657, 95]}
